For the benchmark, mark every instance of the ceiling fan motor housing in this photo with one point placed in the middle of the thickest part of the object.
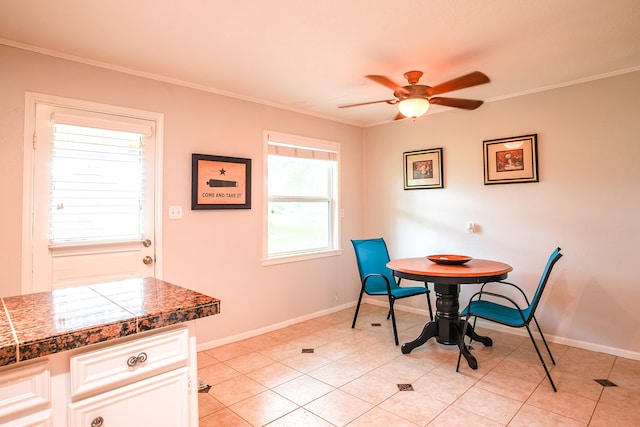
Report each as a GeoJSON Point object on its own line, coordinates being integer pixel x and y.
{"type": "Point", "coordinates": [412, 91]}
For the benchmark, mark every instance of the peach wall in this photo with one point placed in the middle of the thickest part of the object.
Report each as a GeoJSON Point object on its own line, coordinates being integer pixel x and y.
{"type": "Point", "coordinates": [215, 252]}
{"type": "Point", "coordinates": [587, 202]}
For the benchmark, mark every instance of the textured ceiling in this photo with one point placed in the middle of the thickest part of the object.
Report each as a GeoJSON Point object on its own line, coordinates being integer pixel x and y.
{"type": "Point", "coordinates": [312, 56]}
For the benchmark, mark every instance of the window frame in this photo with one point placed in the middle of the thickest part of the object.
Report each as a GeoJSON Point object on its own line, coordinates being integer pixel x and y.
{"type": "Point", "coordinates": [335, 216]}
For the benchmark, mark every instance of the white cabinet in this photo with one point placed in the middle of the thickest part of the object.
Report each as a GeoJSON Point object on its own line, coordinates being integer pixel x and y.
{"type": "Point", "coordinates": [146, 379]}
{"type": "Point", "coordinates": [161, 400]}
{"type": "Point", "coordinates": [25, 395]}
{"type": "Point", "coordinates": [141, 382]}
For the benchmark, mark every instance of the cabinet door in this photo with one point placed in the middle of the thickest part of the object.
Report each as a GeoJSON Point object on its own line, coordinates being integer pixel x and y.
{"type": "Point", "coordinates": [24, 390]}
{"type": "Point", "coordinates": [160, 401]}
{"type": "Point", "coordinates": [41, 419]}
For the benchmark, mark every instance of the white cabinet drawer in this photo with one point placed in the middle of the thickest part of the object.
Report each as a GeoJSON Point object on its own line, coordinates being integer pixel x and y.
{"type": "Point", "coordinates": [24, 390]}
{"type": "Point", "coordinates": [122, 364]}
{"type": "Point", "coordinates": [161, 401]}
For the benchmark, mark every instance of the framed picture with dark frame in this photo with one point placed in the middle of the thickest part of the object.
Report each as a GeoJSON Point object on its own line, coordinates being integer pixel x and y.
{"type": "Point", "coordinates": [511, 160]}
{"type": "Point", "coordinates": [219, 182]}
{"type": "Point", "coordinates": [423, 169]}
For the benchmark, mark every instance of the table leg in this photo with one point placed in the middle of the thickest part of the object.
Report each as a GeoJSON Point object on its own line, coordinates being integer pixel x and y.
{"type": "Point", "coordinates": [471, 333]}
{"type": "Point", "coordinates": [464, 349]}
{"type": "Point", "coordinates": [429, 330]}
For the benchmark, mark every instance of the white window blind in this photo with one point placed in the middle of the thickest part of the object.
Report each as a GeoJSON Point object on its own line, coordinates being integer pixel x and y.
{"type": "Point", "coordinates": [279, 149]}
{"type": "Point", "coordinates": [302, 196]}
{"type": "Point", "coordinates": [97, 181]}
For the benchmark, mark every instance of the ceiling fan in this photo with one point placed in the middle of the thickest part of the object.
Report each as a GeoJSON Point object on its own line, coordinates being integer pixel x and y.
{"type": "Point", "coordinates": [413, 99]}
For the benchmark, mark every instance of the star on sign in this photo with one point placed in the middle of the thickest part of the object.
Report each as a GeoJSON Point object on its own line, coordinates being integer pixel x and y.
{"type": "Point", "coordinates": [223, 172]}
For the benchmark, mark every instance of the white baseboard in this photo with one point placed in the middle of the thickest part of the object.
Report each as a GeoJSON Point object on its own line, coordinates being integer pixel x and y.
{"type": "Point", "coordinates": [255, 332]}
{"type": "Point", "coordinates": [585, 345]}
{"type": "Point", "coordinates": [383, 303]}
{"type": "Point", "coordinates": [520, 331]}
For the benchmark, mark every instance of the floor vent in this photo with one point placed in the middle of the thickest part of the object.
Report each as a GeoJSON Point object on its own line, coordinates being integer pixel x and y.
{"type": "Point", "coordinates": [203, 387]}
{"type": "Point", "coordinates": [376, 324]}
{"type": "Point", "coordinates": [405, 387]}
{"type": "Point", "coordinates": [307, 350]}
{"type": "Point", "coordinates": [606, 383]}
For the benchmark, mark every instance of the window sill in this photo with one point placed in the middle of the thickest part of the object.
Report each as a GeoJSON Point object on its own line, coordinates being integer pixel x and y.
{"type": "Point", "coordinates": [301, 257]}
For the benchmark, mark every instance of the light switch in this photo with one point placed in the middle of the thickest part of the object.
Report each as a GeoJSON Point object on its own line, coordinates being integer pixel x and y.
{"type": "Point", "coordinates": [175, 212]}
{"type": "Point", "coordinates": [471, 227]}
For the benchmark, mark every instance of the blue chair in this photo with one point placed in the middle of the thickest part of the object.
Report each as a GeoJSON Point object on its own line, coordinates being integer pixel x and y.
{"type": "Point", "coordinates": [510, 313]}
{"type": "Point", "coordinates": [372, 256]}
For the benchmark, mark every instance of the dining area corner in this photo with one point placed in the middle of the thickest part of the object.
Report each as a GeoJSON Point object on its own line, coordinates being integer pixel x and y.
{"type": "Point", "coordinates": [452, 325]}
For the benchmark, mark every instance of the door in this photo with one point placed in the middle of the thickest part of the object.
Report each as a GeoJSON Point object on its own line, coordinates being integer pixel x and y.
{"type": "Point", "coordinates": [94, 196]}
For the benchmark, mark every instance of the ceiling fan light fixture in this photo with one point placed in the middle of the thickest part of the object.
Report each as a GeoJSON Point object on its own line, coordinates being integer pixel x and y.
{"type": "Point", "coordinates": [413, 107]}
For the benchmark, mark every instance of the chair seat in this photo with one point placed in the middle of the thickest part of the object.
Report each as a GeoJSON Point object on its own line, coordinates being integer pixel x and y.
{"type": "Point", "coordinates": [400, 292]}
{"type": "Point", "coordinates": [496, 312]}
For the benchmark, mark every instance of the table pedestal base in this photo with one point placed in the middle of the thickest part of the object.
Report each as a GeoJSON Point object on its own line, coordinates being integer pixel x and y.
{"type": "Point", "coordinates": [447, 326]}
{"type": "Point", "coordinates": [431, 330]}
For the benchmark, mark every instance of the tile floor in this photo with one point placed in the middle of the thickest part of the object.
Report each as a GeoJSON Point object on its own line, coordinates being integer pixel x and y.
{"type": "Point", "coordinates": [351, 379]}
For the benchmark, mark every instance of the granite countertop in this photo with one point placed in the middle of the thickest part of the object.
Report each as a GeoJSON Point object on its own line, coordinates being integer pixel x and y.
{"type": "Point", "coordinates": [39, 324]}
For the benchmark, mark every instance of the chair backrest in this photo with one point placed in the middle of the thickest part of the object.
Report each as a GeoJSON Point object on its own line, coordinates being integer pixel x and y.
{"type": "Point", "coordinates": [372, 256]}
{"type": "Point", "coordinates": [553, 258]}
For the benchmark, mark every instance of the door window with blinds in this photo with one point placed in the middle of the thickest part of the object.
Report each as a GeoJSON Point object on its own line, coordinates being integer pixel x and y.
{"type": "Point", "coordinates": [94, 197]}
{"type": "Point", "coordinates": [97, 184]}
{"type": "Point", "coordinates": [302, 196]}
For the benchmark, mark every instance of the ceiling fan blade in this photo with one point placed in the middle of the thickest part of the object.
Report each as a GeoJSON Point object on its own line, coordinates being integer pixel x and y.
{"type": "Point", "coordinates": [385, 81]}
{"type": "Point", "coordinates": [388, 101]}
{"type": "Point", "coordinates": [468, 80]}
{"type": "Point", "coordinates": [399, 116]}
{"type": "Point", "coordinates": [467, 104]}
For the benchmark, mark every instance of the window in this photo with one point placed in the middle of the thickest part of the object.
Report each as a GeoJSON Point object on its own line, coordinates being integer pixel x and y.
{"type": "Point", "coordinates": [302, 197]}
{"type": "Point", "coordinates": [97, 185]}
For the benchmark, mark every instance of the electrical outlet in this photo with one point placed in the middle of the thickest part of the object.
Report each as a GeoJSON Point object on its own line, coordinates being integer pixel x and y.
{"type": "Point", "coordinates": [175, 212]}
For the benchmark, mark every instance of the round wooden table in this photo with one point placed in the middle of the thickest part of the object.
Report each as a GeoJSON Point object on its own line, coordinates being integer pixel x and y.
{"type": "Point", "coordinates": [446, 327]}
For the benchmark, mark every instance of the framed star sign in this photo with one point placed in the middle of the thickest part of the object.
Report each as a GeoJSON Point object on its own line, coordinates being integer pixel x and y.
{"type": "Point", "coordinates": [219, 182]}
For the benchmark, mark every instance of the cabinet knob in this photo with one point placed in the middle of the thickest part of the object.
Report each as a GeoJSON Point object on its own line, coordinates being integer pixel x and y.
{"type": "Point", "coordinates": [97, 422]}
{"type": "Point", "coordinates": [134, 360]}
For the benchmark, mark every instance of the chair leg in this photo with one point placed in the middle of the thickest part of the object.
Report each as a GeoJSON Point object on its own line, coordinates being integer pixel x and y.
{"type": "Point", "coordinates": [353, 325]}
{"type": "Point", "coordinates": [475, 319]}
{"type": "Point", "coordinates": [544, 365]}
{"type": "Point", "coordinates": [544, 340]}
{"type": "Point", "coordinates": [393, 320]}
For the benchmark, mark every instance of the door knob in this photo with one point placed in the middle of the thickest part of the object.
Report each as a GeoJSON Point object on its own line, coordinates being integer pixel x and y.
{"type": "Point", "coordinates": [147, 260]}
{"type": "Point", "coordinates": [146, 243]}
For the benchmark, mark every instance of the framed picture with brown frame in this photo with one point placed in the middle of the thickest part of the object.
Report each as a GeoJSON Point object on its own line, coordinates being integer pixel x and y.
{"type": "Point", "coordinates": [423, 169]}
{"type": "Point", "coordinates": [219, 182]}
{"type": "Point", "coordinates": [511, 160]}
